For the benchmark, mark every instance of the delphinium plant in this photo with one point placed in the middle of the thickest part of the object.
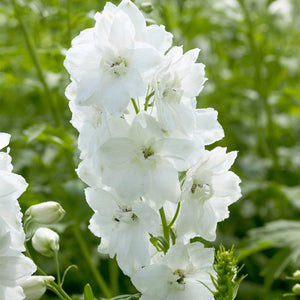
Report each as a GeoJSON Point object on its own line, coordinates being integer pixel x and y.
{"type": "Point", "coordinates": [152, 184]}
{"type": "Point", "coordinates": [155, 189]}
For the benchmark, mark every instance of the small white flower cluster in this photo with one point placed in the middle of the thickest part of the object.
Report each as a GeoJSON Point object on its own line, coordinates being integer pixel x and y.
{"type": "Point", "coordinates": [15, 268]}
{"type": "Point", "coordinates": [152, 184]}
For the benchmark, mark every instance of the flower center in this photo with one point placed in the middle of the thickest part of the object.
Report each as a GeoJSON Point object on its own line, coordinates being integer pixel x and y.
{"type": "Point", "coordinates": [125, 215]}
{"type": "Point", "coordinates": [202, 190]}
{"type": "Point", "coordinates": [178, 280]}
{"type": "Point", "coordinates": [119, 67]}
{"type": "Point", "coordinates": [147, 152]}
{"type": "Point", "coordinates": [172, 91]}
{"type": "Point", "coordinates": [181, 276]}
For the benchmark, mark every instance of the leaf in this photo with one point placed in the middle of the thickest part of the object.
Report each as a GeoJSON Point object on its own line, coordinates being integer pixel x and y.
{"type": "Point", "coordinates": [88, 292]}
{"type": "Point", "coordinates": [276, 266]}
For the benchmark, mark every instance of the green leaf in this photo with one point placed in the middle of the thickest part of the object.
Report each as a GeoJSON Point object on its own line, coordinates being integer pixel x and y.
{"type": "Point", "coordinates": [88, 292]}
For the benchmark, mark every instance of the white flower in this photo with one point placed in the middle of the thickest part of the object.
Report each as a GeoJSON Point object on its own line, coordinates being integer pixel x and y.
{"type": "Point", "coordinates": [123, 227]}
{"type": "Point", "coordinates": [95, 126]}
{"type": "Point", "coordinates": [179, 77]}
{"type": "Point", "coordinates": [184, 273]}
{"type": "Point", "coordinates": [108, 62]}
{"type": "Point", "coordinates": [208, 190]}
{"type": "Point", "coordinates": [175, 85]}
{"type": "Point", "coordinates": [144, 161]}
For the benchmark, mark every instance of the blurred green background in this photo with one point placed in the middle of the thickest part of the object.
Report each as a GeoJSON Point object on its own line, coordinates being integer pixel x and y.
{"type": "Point", "coordinates": [251, 50]}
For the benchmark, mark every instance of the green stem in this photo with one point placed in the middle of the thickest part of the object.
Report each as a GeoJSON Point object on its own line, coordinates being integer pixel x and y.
{"type": "Point", "coordinates": [175, 216]}
{"type": "Point", "coordinates": [147, 100]}
{"type": "Point", "coordinates": [54, 290]}
{"type": "Point", "coordinates": [57, 267]}
{"type": "Point", "coordinates": [98, 277]}
{"type": "Point", "coordinates": [59, 291]}
{"type": "Point", "coordinates": [69, 22]}
{"type": "Point", "coordinates": [37, 64]}
{"type": "Point", "coordinates": [260, 87]}
{"type": "Point", "coordinates": [164, 222]}
{"type": "Point", "coordinates": [114, 276]}
{"type": "Point", "coordinates": [135, 106]}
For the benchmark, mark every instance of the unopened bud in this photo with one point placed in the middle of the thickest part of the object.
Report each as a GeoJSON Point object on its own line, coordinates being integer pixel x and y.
{"type": "Point", "coordinates": [296, 289]}
{"type": "Point", "coordinates": [147, 7]}
{"type": "Point", "coordinates": [296, 275]}
{"type": "Point", "coordinates": [35, 286]}
{"type": "Point", "coordinates": [45, 213]}
{"type": "Point", "coordinates": [45, 241]}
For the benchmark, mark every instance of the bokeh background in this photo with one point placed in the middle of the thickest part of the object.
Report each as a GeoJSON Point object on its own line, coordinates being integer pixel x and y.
{"type": "Point", "coordinates": [251, 49]}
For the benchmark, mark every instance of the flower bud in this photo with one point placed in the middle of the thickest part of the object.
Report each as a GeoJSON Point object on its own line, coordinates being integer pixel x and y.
{"type": "Point", "coordinates": [296, 275]}
{"type": "Point", "coordinates": [35, 286]}
{"type": "Point", "coordinates": [45, 241]}
{"type": "Point", "coordinates": [296, 289]}
{"type": "Point", "coordinates": [147, 7]}
{"type": "Point", "coordinates": [46, 213]}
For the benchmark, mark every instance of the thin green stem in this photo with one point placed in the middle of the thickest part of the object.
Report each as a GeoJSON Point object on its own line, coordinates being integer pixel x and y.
{"type": "Point", "coordinates": [53, 286]}
{"type": "Point", "coordinates": [260, 87]}
{"type": "Point", "coordinates": [175, 216]}
{"type": "Point", "coordinates": [135, 106]}
{"type": "Point", "coordinates": [147, 100]}
{"type": "Point", "coordinates": [57, 267]}
{"type": "Point", "coordinates": [54, 290]}
{"type": "Point", "coordinates": [114, 276]}
{"type": "Point", "coordinates": [66, 272]}
{"type": "Point", "coordinates": [59, 291]}
{"type": "Point", "coordinates": [35, 59]}
{"type": "Point", "coordinates": [98, 277]}
{"type": "Point", "coordinates": [164, 222]}
{"type": "Point", "coordinates": [69, 22]}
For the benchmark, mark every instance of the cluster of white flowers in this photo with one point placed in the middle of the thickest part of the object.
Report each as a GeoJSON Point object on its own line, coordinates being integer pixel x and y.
{"type": "Point", "coordinates": [15, 268]}
{"type": "Point", "coordinates": [152, 184]}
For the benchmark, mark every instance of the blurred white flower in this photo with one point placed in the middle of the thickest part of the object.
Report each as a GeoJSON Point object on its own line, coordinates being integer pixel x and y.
{"type": "Point", "coordinates": [14, 266]}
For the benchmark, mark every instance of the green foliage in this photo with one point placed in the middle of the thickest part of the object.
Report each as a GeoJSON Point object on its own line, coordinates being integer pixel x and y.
{"type": "Point", "coordinates": [252, 59]}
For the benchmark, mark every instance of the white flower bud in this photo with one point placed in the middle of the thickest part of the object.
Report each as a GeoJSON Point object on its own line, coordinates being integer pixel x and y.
{"type": "Point", "coordinates": [296, 289]}
{"type": "Point", "coordinates": [35, 286]}
{"type": "Point", "coordinates": [147, 7]}
{"type": "Point", "coordinates": [46, 213]}
{"type": "Point", "coordinates": [45, 241]}
{"type": "Point", "coordinates": [296, 275]}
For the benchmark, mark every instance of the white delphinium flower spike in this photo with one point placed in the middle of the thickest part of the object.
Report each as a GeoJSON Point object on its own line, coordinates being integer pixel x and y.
{"type": "Point", "coordinates": [208, 190]}
{"type": "Point", "coordinates": [183, 273]}
{"type": "Point", "coordinates": [107, 62]}
{"type": "Point", "coordinates": [123, 227]}
{"type": "Point", "coordinates": [14, 266]}
{"type": "Point", "coordinates": [11, 187]}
